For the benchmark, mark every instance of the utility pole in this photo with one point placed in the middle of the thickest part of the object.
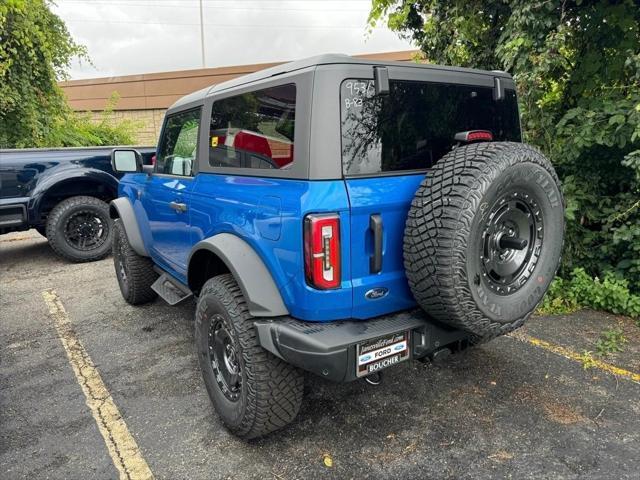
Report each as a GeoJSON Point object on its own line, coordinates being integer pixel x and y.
{"type": "Point", "coordinates": [202, 35]}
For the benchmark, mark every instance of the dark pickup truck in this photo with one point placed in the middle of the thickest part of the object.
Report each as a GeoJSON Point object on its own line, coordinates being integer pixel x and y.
{"type": "Point", "coordinates": [63, 193]}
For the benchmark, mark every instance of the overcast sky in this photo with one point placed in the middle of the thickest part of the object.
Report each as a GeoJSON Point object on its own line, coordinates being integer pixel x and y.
{"type": "Point", "coordinates": [125, 37]}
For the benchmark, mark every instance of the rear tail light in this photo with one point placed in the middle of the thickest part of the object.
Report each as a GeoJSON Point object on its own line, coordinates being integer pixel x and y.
{"type": "Point", "coordinates": [322, 250]}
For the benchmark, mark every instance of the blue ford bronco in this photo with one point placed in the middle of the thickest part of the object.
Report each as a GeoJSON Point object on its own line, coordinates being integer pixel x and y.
{"type": "Point", "coordinates": [337, 216]}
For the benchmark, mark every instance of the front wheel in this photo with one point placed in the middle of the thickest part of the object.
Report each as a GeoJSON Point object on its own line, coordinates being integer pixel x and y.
{"type": "Point", "coordinates": [253, 392]}
{"type": "Point", "coordinates": [79, 229]}
{"type": "Point", "coordinates": [135, 273]}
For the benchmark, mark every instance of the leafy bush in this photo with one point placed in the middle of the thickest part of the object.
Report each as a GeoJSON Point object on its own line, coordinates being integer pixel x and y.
{"type": "Point", "coordinates": [74, 129]}
{"type": "Point", "coordinates": [611, 294]}
{"type": "Point", "coordinates": [577, 70]}
{"type": "Point", "coordinates": [35, 51]}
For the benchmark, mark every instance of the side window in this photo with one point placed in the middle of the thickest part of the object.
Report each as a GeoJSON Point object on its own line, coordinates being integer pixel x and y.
{"type": "Point", "coordinates": [179, 144]}
{"type": "Point", "coordinates": [254, 129]}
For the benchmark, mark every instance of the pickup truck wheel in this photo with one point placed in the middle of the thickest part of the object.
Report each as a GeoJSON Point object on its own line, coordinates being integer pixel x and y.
{"type": "Point", "coordinates": [135, 273]}
{"type": "Point", "coordinates": [79, 229]}
{"type": "Point", "coordinates": [253, 392]}
{"type": "Point", "coordinates": [484, 236]}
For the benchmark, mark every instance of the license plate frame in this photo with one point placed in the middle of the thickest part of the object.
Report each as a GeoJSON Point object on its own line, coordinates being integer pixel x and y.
{"type": "Point", "coordinates": [377, 354]}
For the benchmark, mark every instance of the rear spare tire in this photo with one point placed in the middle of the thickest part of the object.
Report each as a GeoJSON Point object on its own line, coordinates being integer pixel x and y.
{"type": "Point", "coordinates": [484, 236]}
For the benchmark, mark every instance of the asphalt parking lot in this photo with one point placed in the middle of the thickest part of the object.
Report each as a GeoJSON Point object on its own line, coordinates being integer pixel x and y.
{"type": "Point", "coordinates": [519, 407]}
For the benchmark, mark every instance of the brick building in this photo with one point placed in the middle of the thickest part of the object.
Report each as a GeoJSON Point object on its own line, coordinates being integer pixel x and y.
{"type": "Point", "coordinates": [146, 97]}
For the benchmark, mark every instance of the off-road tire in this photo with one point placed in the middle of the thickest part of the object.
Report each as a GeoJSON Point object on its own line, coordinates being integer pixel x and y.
{"type": "Point", "coordinates": [446, 236]}
{"type": "Point", "coordinates": [57, 223]}
{"type": "Point", "coordinates": [134, 272]}
{"type": "Point", "coordinates": [270, 393]}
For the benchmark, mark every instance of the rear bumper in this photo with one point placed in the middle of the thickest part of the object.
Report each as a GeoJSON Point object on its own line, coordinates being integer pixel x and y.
{"type": "Point", "coordinates": [329, 349]}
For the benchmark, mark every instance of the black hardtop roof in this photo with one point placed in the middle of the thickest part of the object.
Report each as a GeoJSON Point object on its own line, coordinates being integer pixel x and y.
{"type": "Point", "coordinates": [325, 59]}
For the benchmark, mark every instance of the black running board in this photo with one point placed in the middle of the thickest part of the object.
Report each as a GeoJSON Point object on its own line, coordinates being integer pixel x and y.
{"type": "Point", "coordinates": [170, 289]}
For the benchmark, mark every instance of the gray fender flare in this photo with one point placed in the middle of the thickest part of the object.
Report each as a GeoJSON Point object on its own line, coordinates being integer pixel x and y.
{"type": "Point", "coordinates": [259, 289]}
{"type": "Point", "coordinates": [121, 208]}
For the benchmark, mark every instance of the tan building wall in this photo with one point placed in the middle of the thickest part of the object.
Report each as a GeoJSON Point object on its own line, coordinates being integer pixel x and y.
{"type": "Point", "coordinates": [149, 121]}
{"type": "Point", "coordinates": [144, 98]}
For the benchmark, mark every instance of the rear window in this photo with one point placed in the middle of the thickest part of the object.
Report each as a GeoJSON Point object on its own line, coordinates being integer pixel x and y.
{"type": "Point", "coordinates": [413, 126]}
{"type": "Point", "coordinates": [254, 129]}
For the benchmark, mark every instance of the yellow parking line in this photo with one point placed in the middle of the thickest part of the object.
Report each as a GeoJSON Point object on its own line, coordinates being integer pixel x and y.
{"type": "Point", "coordinates": [17, 239]}
{"type": "Point", "coordinates": [577, 357]}
{"type": "Point", "coordinates": [122, 447]}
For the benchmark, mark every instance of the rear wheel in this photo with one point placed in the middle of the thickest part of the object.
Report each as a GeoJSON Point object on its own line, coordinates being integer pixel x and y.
{"type": "Point", "coordinates": [253, 392]}
{"type": "Point", "coordinates": [484, 236]}
{"type": "Point", "coordinates": [79, 229]}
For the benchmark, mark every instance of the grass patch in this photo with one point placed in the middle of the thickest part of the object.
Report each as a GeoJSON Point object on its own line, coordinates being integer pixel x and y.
{"type": "Point", "coordinates": [609, 294]}
{"type": "Point", "coordinates": [611, 341]}
{"type": "Point", "coordinates": [587, 360]}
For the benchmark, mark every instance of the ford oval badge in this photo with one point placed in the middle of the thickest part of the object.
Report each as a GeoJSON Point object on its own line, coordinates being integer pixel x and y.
{"type": "Point", "coordinates": [376, 293]}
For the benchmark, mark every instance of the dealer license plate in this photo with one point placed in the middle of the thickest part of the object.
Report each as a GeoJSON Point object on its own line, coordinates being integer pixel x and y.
{"type": "Point", "coordinates": [375, 355]}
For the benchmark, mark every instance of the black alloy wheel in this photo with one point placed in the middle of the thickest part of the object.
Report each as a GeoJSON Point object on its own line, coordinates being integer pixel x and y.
{"type": "Point", "coordinates": [84, 230]}
{"type": "Point", "coordinates": [511, 242]}
{"type": "Point", "coordinates": [224, 358]}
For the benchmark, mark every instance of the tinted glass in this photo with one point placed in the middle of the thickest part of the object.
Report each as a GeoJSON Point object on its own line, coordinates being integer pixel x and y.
{"type": "Point", "coordinates": [254, 130]}
{"type": "Point", "coordinates": [179, 144]}
{"type": "Point", "coordinates": [413, 126]}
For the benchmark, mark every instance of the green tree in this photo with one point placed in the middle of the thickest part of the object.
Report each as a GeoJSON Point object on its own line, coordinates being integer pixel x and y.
{"type": "Point", "coordinates": [577, 68]}
{"type": "Point", "coordinates": [35, 52]}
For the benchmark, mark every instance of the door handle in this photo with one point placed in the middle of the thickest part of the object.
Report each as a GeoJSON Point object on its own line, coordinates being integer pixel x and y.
{"type": "Point", "coordinates": [375, 260]}
{"type": "Point", "coordinates": [178, 207]}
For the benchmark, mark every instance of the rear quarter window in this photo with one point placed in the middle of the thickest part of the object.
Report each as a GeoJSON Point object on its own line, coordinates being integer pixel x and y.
{"type": "Point", "coordinates": [254, 129]}
{"type": "Point", "coordinates": [414, 125]}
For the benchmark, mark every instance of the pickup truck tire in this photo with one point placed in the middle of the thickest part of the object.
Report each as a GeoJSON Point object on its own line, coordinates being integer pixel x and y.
{"type": "Point", "coordinates": [484, 236]}
{"type": "Point", "coordinates": [253, 391]}
{"type": "Point", "coordinates": [135, 273]}
{"type": "Point", "coordinates": [79, 229]}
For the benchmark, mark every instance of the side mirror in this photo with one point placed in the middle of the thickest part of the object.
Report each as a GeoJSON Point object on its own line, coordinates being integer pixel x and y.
{"type": "Point", "coordinates": [126, 160]}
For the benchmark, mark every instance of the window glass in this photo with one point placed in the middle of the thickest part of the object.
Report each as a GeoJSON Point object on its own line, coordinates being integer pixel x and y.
{"type": "Point", "coordinates": [413, 126]}
{"type": "Point", "coordinates": [179, 144]}
{"type": "Point", "coordinates": [254, 129]}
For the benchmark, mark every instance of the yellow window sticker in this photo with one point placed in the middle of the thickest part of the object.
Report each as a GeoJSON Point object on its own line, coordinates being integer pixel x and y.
{"type": "Point", "coordinates": [214, 141]}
